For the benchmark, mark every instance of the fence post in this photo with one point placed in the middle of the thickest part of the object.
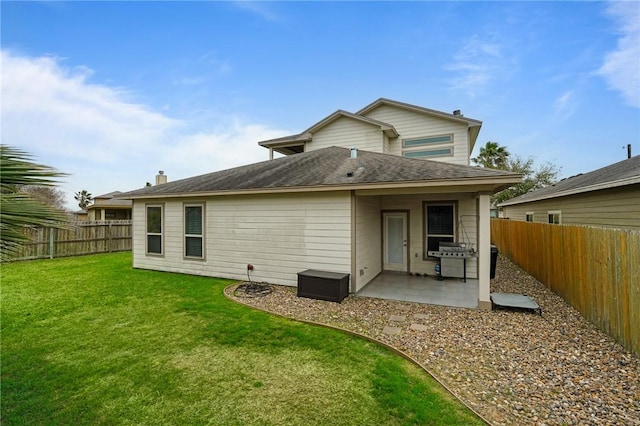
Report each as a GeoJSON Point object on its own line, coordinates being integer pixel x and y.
{"type": "Point", "coordinates": [51, 245]}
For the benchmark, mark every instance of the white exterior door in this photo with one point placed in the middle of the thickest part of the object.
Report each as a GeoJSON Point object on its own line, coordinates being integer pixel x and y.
{"type": "Point", "coordinates": [395, 241]}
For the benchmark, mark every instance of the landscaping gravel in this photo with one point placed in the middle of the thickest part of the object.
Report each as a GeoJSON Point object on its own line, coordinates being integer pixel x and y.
{"type": "Point", "coordinates": [511, 367]}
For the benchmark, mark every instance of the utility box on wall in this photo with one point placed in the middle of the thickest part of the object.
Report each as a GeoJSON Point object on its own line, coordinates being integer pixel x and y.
{"type": "Point", "coordinates": [323, 285]}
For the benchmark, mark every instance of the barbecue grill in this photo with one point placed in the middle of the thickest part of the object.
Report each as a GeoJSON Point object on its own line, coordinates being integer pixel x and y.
{"type": "Point", "coordinates": [453, 259]}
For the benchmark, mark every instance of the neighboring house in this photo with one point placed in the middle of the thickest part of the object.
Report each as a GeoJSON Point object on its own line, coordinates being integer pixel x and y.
{"type": "Point", "coordinates": [608, 197]}
{"type": "Point", "coordinates": [355, 193]}
{"type": "Point", "coordinates": [79, 215]}
{"type": "Point", "coordinates": [107, 207]}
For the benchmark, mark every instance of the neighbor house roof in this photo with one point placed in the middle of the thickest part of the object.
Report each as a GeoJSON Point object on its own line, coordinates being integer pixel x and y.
{"type": "Point", "coordinates": [329, 169]}
{"type": "Point", "coordinates": [626, 172]}
{"type": "Point", "coordinates": [108, 201]}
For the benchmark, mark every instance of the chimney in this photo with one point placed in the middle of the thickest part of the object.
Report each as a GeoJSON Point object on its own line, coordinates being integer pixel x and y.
{"type": "Point", "coordinates": [354, 152]}
{"type": "Point", "coordinates": [161, 178]}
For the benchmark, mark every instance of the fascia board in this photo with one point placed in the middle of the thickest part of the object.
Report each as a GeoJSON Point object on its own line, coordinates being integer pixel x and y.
{"type": "Point", "coordinates": [605, 185]}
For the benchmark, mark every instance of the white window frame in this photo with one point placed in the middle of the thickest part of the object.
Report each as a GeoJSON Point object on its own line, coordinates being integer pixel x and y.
{"type": "Point", "coordinates": [148, 234]}
{"type": "Point", "coordinates": [553, 213]}
{"type": "Point", "coordinates": [201, 235]}
{"type": "Point", "coordinates": [526, 217]}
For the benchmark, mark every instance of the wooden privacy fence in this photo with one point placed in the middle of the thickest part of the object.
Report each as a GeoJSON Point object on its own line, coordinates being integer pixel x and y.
{"type": "Point", "coordinates": [596, 270]}
{"type": "Point", "coordinates": [78, 238]}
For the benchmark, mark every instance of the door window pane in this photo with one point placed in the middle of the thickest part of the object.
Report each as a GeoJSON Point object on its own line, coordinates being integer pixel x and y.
{"type": "Point", "coordinates": [395, 238]}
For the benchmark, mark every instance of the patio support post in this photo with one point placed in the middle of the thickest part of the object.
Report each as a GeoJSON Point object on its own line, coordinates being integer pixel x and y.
{"type": "Point", "coordinates": [484, 251]}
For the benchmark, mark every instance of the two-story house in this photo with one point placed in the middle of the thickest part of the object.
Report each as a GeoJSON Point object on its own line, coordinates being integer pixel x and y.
{"type": "Point", "coordinates": [363, 193]}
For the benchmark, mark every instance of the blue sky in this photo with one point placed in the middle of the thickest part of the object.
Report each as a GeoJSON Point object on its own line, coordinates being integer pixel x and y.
{"type": "Point", "coordinates": [112, 92]}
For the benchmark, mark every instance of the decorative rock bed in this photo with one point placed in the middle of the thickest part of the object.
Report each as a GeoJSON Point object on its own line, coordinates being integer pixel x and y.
{"type": "Point", "coordinates": [513, 368]}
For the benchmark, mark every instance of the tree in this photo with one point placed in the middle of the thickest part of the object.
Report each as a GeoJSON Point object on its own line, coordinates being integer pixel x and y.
{"type": "Point", "coordinates": [492, 156]}
{"type": "Point", "coordinates": [495, 156]}
{"type": "Point", "coordinates": [19, 209]}
{"type": "Point", "coordinates": [84, 199]}
{"type": "Point", "coordinates": [49, 195]}
{"type": "Point", "coordinates": [532, 178]}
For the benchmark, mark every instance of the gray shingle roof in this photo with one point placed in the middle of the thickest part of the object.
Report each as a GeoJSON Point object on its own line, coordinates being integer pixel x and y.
{"type": "Point", "coordinates": [324, 167]}
{"type": "Point", "coordinates": [626, 172]}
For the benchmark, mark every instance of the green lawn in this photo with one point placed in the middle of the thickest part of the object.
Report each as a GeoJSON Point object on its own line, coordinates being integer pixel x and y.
{"type": "Point", "coordinates": [90, 340]}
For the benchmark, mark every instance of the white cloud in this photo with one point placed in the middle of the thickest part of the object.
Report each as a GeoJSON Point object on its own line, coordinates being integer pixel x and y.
{"type": "Point", "coordinates": [565, 105]}
{"type": "Point", "coordinates": [476, 64]}
{"type": "Point", "coordinates": [621, 67]}
{"type": "Point", "coordinates": [103, 139]}
{"type": "Point", "coordinates": [261, 8]}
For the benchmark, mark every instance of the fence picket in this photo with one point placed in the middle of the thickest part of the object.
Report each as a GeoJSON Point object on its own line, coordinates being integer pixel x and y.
{"type": "Point", "coordinates": [86, 237]}
{"type": "Point", "coordinates": [596, 270]}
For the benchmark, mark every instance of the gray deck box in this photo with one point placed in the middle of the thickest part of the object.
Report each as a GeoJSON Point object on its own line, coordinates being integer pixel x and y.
{"type": "Point", "coordinates": [323, 285]}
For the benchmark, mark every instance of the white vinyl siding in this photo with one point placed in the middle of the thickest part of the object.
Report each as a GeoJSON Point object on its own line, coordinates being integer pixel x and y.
{"type": "Point", "coordinates": [414, 125]}
{"type": "Point", "coordinates": [348, 133]}
{"type": "Point", "coordinates": [280, 235]}
{"type": "Point", "coordinates": [368, 240]}
{"type": "Point", "coordinates": [616, 207]}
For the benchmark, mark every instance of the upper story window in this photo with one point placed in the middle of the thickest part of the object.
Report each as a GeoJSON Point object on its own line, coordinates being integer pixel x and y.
{"type": "Point", "coordinates": [428, 147]}
{"type": "Point", "coordinates": [194, 231]}
{"type": "Point", "coordinates": [154, 221]}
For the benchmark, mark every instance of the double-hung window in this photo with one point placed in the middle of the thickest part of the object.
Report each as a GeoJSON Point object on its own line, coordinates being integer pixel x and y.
{"type": "Point", "coordinates": [194, 231]}
{"type": "Point", "coordinates": [154, 219]}
{"type": "Point", "coordinates": [528, 216]}
{"type": "Point", "coordinates": [439, 222]}
{"type": "Point", "coordinates": [555, 217]}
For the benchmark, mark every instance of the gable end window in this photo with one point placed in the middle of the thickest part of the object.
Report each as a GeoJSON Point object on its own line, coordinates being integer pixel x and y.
{"type": "Point", "coordinates": [432, 140]}
{"type": "Point", "coordinates": [428, 147]}
{"type": "Point", "coordinates": [194, 231]}
{"type": "Point", "coordinates": [154, 219]}
{"type": "Point", "coordinates": [439, 225]}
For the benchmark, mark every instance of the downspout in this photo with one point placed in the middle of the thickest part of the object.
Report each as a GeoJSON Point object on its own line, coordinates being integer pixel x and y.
{"type": "Point", "coordinates": [353, 243]}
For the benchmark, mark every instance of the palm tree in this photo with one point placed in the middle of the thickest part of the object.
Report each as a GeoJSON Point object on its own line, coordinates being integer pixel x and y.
{"type": "Point", "coordinates": [18, 209]}
{"type": "Point", "coordinates": [492, 156]}
{"type": "Point", "coordinates": [84, 198]}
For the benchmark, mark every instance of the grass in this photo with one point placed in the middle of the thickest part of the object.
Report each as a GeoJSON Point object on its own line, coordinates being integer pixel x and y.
{"type": "Point", "coordinates": [90, 340]}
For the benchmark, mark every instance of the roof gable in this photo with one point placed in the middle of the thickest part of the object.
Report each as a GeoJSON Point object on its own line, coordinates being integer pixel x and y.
{"type": "Point", "coordinates": [387, 128]}
{"type": "Point", "coordinates": [383, 101]}
{"type": "Point", "coordinates": [622, 173]}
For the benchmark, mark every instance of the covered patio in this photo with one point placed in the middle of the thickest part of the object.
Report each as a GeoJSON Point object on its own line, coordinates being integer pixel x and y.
{"type": "Point", "coordinates": [410, 288]}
